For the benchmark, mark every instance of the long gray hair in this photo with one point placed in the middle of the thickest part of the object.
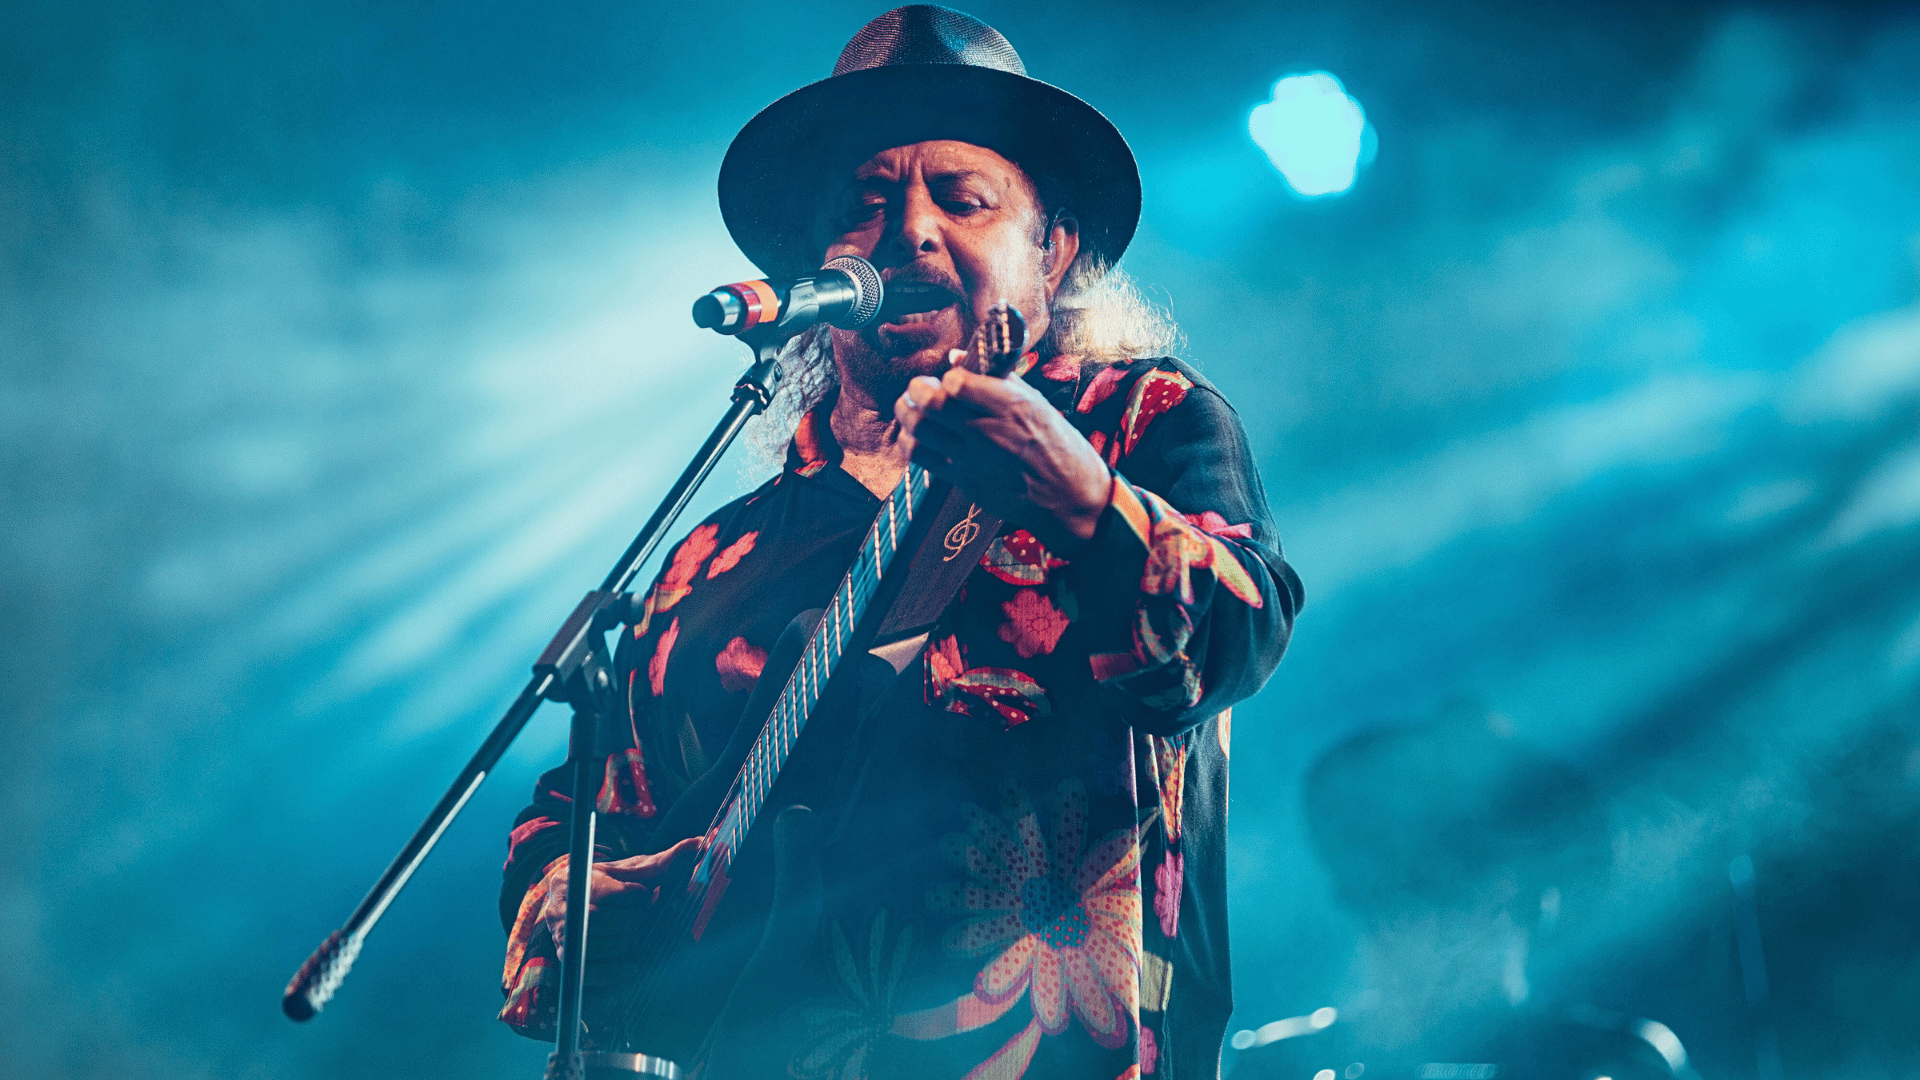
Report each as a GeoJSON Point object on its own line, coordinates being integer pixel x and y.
{"type": "Point", "coordinates": [1099, 315]}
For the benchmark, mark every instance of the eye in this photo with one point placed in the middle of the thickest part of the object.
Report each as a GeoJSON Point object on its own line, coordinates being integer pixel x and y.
{"type": "Point", "coordinates": [863, 210]}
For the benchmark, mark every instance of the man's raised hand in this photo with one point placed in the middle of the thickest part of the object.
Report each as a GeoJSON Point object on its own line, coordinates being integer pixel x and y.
{"type": "Point", "coordinates": [1003, 444]}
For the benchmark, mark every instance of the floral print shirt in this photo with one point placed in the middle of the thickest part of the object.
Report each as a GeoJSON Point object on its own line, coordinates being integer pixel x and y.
{"type": "Point", "coordinates": [1023, 862]}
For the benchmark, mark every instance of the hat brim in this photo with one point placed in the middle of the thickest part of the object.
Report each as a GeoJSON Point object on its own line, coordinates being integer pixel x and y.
{"type": "Point", "coordinates": [798, 149]}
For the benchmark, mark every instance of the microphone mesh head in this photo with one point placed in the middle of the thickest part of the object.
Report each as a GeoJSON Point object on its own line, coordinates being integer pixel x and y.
{"type": "Point", "coordinates": [867, 280]}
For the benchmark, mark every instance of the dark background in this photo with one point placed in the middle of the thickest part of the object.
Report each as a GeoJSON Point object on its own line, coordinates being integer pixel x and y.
{"type": "Point", "coordinates": [345, 344]}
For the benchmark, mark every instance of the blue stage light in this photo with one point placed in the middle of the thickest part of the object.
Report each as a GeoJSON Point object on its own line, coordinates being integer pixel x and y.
{"type": "Point", "coordinates": [1313, 131]}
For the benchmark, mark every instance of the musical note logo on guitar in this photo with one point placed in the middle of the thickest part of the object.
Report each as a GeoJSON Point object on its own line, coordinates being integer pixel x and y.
{"type": "Point", "coordinates": [965, 532]}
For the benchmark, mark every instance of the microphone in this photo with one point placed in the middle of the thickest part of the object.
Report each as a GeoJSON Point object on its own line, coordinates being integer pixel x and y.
{"type": "Point", "coordinates": [845, 293]}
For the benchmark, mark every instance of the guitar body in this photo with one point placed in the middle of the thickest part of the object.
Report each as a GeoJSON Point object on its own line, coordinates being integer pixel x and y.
{"type": "Point", "coordinates": [686, 982]}
{"type": "Point", "coordinates": [711, 950]}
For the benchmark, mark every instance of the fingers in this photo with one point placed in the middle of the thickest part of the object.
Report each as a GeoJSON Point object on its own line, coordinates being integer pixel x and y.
{"type": "Point", "coordinates": [923, 397]}
{"type": "Point", "coordinates": [978, 431]}
{"type": "Point", "coordinates": [929, 401]}
{"type": "Point", "coordinates": [613, 893]}
{"type": "Point", "coordinates": [991, 394]}
{"type": "Point", "coordinates": [940, 435]}
{"type": "Point", "coordinates": [924, 394]}
{"type": "Point", "coordinates": [684, 854]}
{"type": "Point", "coordinates": [624, 883]}
{"type": "Point", "coordinates": [650, 868]}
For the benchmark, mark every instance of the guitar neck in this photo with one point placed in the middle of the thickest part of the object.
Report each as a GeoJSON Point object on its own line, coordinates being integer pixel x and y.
{"type": "Point", "coordinates": [831, 641]}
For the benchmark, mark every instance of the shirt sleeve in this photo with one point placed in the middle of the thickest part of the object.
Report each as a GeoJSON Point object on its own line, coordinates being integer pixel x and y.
{"type": "Point", "coordinates": [1182, 591]}
{"type": "Point", "coordinates": [537, 846]}
{"type": "Point", "coordinates": [537, 865]}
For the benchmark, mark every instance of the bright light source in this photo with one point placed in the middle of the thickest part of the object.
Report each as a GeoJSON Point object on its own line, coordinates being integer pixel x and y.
{"type": "Point", "coordinates": [1289, 1028]}
{"type": "Point", "coordinates": [1662, 1038]}
{"type": "Point", "coordinates": [1313, 131]}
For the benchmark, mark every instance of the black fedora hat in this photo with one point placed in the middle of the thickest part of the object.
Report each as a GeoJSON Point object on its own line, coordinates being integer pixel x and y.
{"type": "Point", "coordinates": [915, 74]}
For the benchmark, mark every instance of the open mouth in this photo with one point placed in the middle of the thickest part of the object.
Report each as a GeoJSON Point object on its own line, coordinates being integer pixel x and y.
{"type": "Point", "coordinates": [910, 302]}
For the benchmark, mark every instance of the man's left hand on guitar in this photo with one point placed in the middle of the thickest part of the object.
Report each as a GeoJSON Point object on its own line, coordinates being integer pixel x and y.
{"type": "Point", "coordinates": [619, 891]}
{"type": "Point", "coordinates": [1002, 443]}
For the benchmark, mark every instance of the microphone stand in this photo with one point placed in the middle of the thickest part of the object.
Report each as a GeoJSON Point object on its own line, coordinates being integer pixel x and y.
{"type": "Point", "coordinates": [576, 669]}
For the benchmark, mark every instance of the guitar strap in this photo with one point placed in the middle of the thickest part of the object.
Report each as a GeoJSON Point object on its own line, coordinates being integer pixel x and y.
{"type": "Point", "coordinates": [960, 532]}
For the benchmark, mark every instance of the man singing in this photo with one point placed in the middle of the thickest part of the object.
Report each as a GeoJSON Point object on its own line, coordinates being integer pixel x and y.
{"type": "Point", "coordinates": [1014, 864]}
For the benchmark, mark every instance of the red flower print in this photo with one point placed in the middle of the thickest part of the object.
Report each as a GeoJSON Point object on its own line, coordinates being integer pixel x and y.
{"type": "Point", "coordinates": [1170, 769]}
{"type": "Point", "coordinates": [739, 665]}
{"type": "Point", "coordinates": [1033, 625]}
{"type": "Point", "coordinates": [1062, 369]}
{"type": "Point", "coordinates": [1149, 1051]}
{"type": "Point", "coordinates": [1166, 893]}
{"type": "Point", "coordinates": [657, 667]}
{"type": "Point", "coordinates": [1098, 440]}
{"type": "Point", "coordinates": [529, 1001]}
{"type": "Point", "coordinates": [1061, 917]}
{"type": "Point", "coordinates": [646, 617]}
{"type": "Point", "coordinates": [806, 445]}
{"type": "Point", "coordinates": [736, 551]}
{"type": "Point", "coordinates": [1155, 393]}
{"type": "Point", "coordinates": [945, 662]}
{"type": "Point", "coordinates": [1013, 695]}
{"type": "Point", "coordinates": [1019, 559]}
{"type": "Point", "coordinates": [1211, 521]}
{"type": "Point", "coordinates": [625, 789]}
{"type": "Point", "coordinates": [1176, 548]}
{"type": "Point", "coordinates": [524, 832]}
{"type": "Point", "coordinates": [525, 976]}
{"type": "Point", "coordinates": [1164, 646]}
{"type": "Point", "coordinates": [677, 582]}
{"type": "Point", "coordinates": [1101, 388]}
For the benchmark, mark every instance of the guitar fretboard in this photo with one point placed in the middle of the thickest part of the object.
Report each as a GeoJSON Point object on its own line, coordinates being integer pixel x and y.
{"type": "Point", "coordinates": [817, 664]}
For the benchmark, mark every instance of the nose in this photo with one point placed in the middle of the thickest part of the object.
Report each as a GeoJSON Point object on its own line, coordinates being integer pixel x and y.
{"type": "Point", "coordinates": [919, 223]}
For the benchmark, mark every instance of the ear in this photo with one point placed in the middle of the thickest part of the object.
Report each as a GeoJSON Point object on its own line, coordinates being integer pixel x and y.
{"type": "Point", "coordinates": [1062, 247]}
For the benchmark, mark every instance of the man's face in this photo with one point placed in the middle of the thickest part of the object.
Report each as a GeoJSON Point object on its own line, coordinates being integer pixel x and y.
{"type": "Point", "coordinates": [948, 216]}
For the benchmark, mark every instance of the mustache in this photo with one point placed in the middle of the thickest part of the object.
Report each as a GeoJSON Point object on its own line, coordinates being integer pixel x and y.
{"type": "Point", "coordinates": [922, 275]}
